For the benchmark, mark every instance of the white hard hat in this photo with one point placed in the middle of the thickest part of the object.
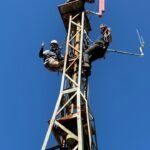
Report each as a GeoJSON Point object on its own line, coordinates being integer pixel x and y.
{"type": "Point", "coordinates": [53, 42]}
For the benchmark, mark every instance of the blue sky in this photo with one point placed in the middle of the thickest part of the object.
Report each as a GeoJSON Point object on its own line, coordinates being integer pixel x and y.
{"type": "Point", "coordinates": [119, 85]}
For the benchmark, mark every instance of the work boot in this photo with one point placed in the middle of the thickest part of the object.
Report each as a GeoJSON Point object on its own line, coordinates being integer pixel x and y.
{"type": "Point", "coordinates": [86, 65]}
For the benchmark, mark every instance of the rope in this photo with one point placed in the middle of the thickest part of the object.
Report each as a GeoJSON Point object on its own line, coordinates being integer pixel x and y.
{"type": "Point", "coordinates": [63, 43]}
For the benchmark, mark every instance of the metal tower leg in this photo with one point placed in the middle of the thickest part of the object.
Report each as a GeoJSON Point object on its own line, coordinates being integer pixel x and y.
{"type": "Point", "coordinates": [72, 122]}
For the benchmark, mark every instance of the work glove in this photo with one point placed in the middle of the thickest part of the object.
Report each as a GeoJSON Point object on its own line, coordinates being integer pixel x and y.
{"type": "Point", "coordinates": [42, 44]}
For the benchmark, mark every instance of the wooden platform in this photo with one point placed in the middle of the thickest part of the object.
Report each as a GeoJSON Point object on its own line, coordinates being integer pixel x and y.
{"type": "Point", "coordinates": [73, 8]}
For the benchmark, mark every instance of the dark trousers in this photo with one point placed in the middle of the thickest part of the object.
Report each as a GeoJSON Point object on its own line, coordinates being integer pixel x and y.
{"type": "Point", "coordinates": [94, 52]}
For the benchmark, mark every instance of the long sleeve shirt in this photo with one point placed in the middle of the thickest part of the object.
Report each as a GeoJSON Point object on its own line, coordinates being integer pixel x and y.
{"type": "Point", "coordinates": [56, 54]}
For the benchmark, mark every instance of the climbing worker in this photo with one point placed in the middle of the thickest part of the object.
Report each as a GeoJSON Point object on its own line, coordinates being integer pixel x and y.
{"type": "Point", "coordinates": [99, 48]}
{"type": "Point", "coordinates": [52, 56]}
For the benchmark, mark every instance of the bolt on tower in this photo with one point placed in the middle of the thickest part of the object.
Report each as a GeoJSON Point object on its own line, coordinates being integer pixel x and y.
{"type": "Point", "coordinates": [72, 122]}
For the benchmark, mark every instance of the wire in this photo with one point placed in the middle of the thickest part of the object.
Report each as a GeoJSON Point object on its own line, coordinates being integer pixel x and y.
{"type": "Point", "coordinates": [63, 43]}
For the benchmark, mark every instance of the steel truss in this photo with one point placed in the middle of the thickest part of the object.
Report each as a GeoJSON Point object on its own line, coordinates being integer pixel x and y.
{"type": "Point", "coordinates": [72, 122]}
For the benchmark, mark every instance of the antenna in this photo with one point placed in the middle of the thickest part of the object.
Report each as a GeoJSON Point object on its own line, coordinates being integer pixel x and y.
{"type": "Point", "coordinates": [142, 44]}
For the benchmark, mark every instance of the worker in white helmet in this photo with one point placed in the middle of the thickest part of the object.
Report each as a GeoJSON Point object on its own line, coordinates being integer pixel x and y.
{"type": "Point", "coordinates": [52, 56]}
{"type": "Point", "coordinates": [99, 48]}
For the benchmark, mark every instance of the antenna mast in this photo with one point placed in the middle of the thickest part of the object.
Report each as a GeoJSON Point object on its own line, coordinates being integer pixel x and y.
{"type": "Point", "coordinates": [72, 122]}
